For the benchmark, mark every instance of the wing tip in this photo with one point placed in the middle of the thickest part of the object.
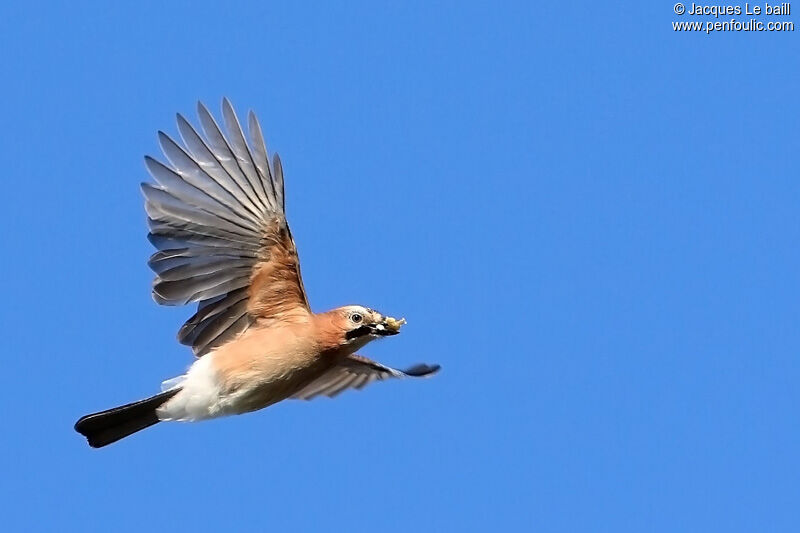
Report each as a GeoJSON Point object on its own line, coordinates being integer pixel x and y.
{"type": "Point", "coordinates": [203, 110]}
{"type": "Point", "coordinates": [422, 370]}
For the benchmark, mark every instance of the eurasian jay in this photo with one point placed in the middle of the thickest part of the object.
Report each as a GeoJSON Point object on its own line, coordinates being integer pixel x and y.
{"type": "Point", "coordinates": [217, 219]}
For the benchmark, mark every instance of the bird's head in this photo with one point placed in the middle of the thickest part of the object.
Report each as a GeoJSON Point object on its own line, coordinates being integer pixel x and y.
{"type": "Point", "coordinates": [358, 325]}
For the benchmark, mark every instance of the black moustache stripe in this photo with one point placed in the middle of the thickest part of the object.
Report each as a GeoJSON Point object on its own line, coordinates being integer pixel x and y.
{"type": "Point", "coordinates": [358, 332]}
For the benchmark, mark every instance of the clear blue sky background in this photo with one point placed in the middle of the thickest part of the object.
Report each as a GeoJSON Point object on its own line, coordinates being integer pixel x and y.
{"type": "Point", "coordinates": [589, 220]}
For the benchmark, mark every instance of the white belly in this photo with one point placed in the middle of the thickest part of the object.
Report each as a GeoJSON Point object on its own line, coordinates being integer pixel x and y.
{"type": "Point", "coordinates": [200, 396]}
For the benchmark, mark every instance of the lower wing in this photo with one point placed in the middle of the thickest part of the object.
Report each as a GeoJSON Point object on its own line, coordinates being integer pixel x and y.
{"type": "Point", "coordinates": [357, 372]}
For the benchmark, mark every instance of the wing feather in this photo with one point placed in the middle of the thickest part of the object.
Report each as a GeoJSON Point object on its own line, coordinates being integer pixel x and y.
{"type": "Point", "coordinates": [241, 152]}
{"type": "Point", "coordinates": [161, 262]}
{"type": "Point", "coordinates": [211, 200]}
{"type": "Point", "coordinates": [213, 320]}
{"type": "Point", "coordinates": [222, 153]}
{"type": "Point", "coordinates": [202, 268]}
{"type": "Point", "coordinates": [205, 159]}
{"type": "Point", "coordinates": [170, 211]}
{"type": "Point", "coordinates": [260, 155]}
{"type": "Point", "coordinates": [217, 283]}
{"type": "Point", "coordinates": [278, 168]}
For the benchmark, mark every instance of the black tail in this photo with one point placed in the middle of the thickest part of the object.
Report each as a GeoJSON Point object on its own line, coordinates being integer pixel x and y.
{"type": "Point", "coordinates": [105, 427]}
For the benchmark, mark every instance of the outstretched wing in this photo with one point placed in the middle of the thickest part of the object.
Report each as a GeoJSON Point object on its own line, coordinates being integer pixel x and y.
{"type": "Point", "coordinates": [216, 215]}
{"type": "Point", "coordinates": [357, 372]}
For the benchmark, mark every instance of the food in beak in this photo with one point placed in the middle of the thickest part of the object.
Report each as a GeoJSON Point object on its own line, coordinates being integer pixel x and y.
{"type": "Point", "coordinates": [393, 325]}
{"type": "Point", "coordinates": [387, 326]}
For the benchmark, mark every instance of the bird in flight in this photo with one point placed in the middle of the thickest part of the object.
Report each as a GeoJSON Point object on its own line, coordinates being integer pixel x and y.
{"type": "Point", "coordinates": [217, 218]}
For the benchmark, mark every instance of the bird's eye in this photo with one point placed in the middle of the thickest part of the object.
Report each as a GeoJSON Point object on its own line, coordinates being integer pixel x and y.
{"type": "Point", "coordinates": [356, 318]}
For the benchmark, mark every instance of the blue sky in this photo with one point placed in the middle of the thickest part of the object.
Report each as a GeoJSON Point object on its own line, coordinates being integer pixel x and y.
{"type": "Point", "coordinates": [589, 220]}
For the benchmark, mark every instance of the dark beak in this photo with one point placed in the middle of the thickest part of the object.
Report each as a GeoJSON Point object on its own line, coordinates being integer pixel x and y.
{"type": "Point", "coordinates": [385, 328]}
